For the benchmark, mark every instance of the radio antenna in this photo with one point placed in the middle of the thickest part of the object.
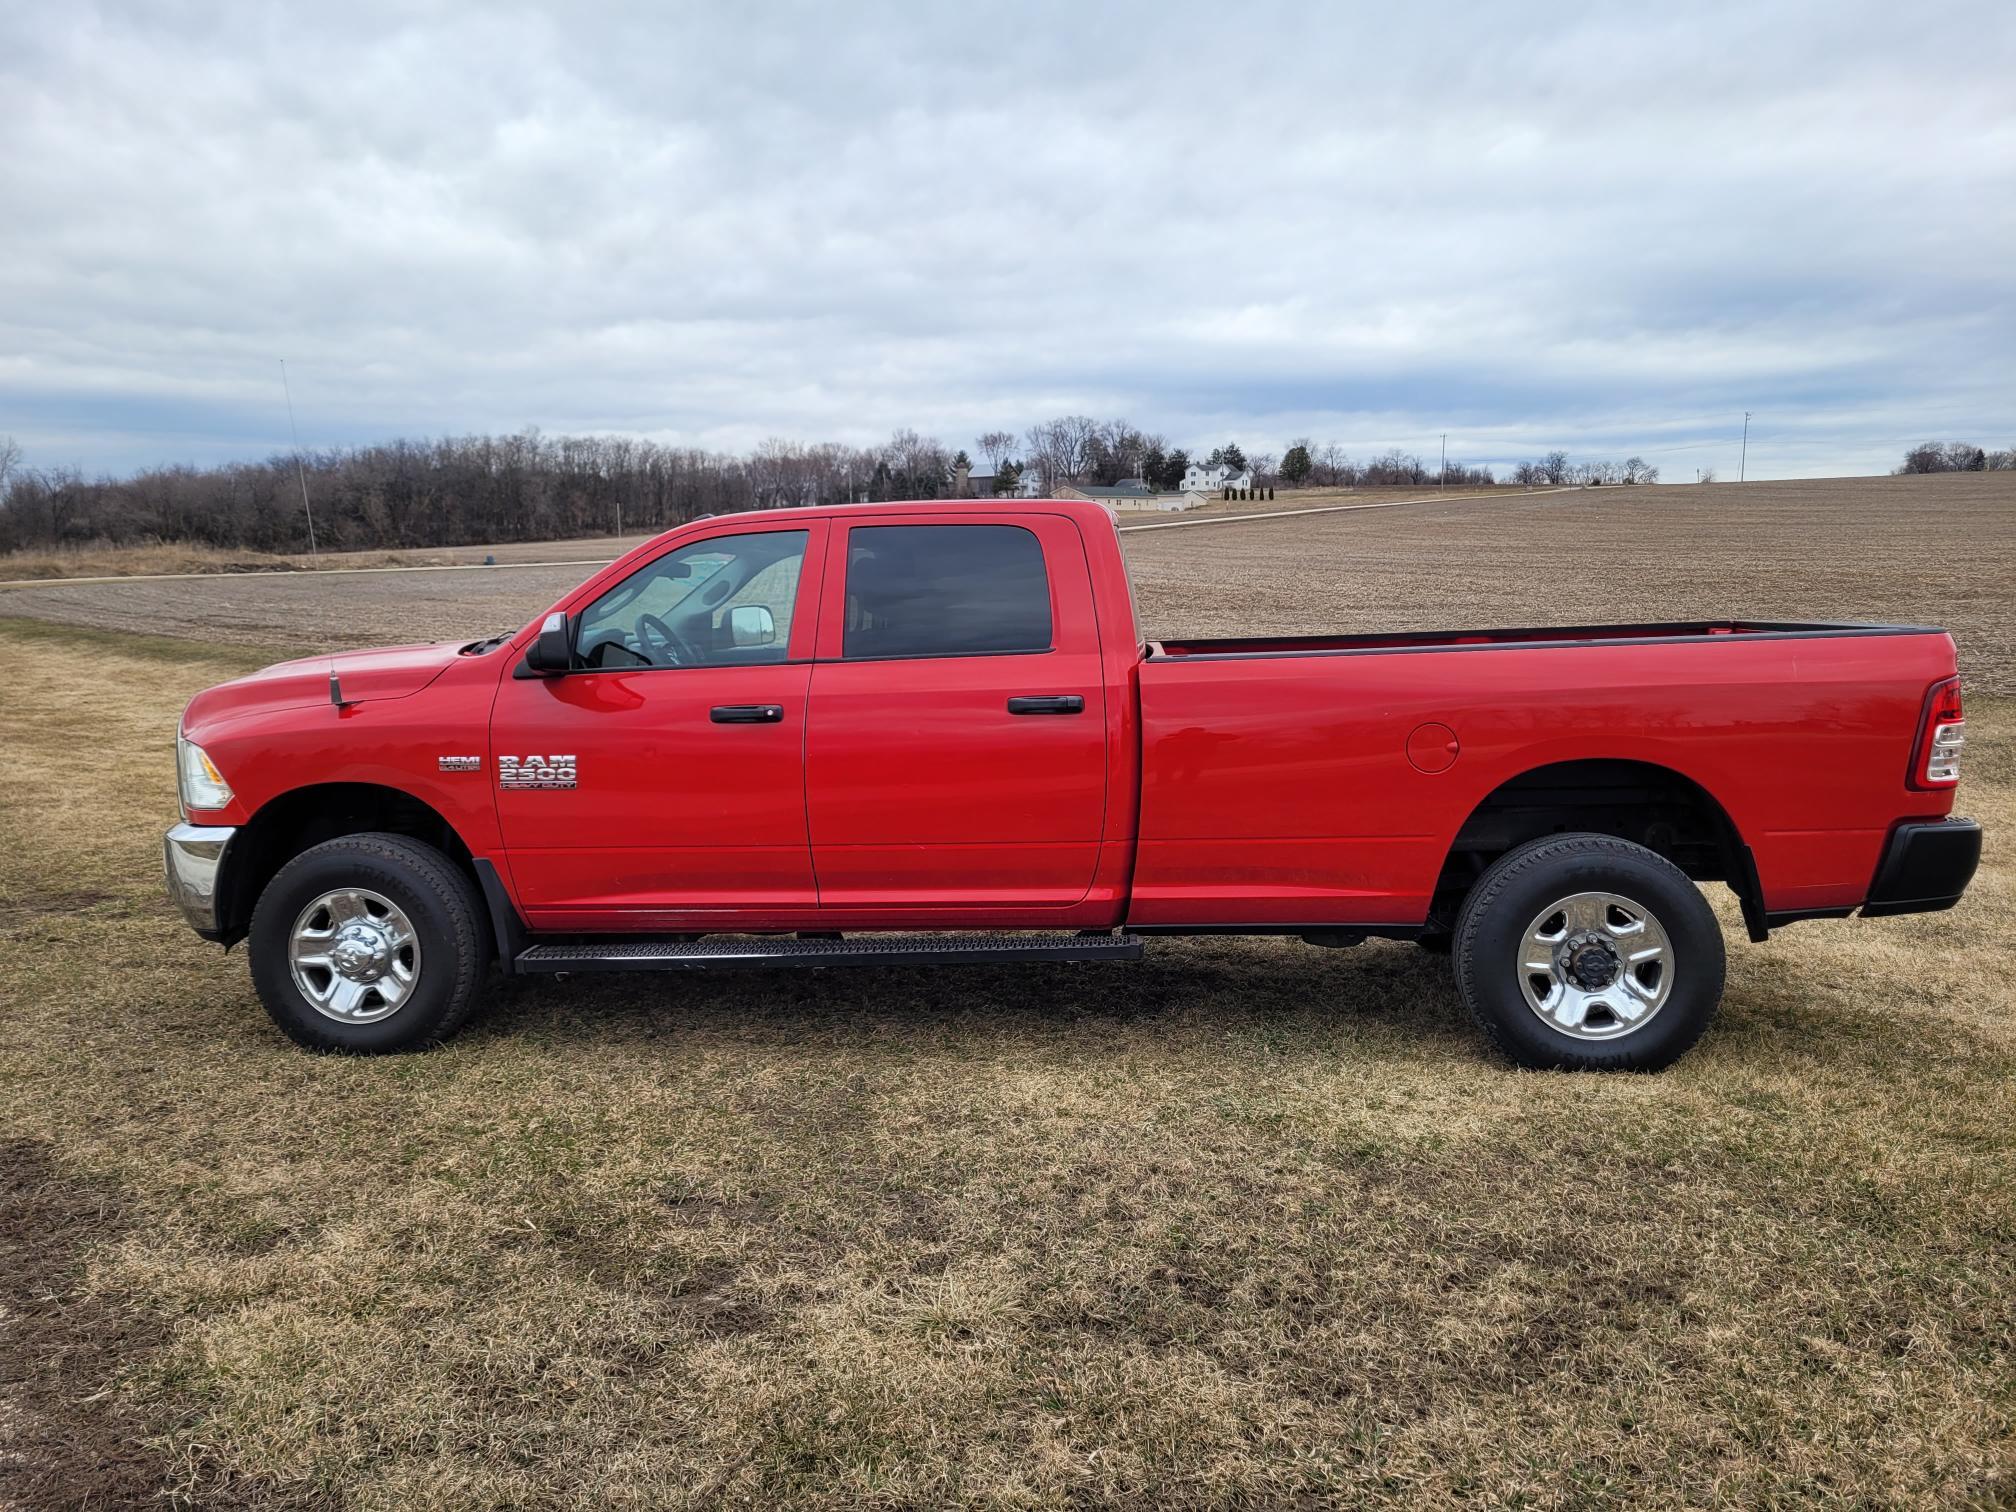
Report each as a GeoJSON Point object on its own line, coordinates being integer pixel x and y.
{"type": "Point", "coordinates": [300, 472]}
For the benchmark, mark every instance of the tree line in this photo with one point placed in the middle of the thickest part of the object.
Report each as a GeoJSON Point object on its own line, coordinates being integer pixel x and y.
{"type": "Point", "coordinates": [453, 491]}
{"type": "Point", "coordinates": [472, 489]}
{"type": "Point", "coordinates": [1955, 456]}
{"type": "Point", "coordinates": [1555, 470]}
{"type": "Point", "coordinates": [1305, 464]}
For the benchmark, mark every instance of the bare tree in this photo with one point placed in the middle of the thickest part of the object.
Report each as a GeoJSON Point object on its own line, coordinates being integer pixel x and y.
{"type": "Point", "coordinates": [997, 447]}
{"type": "Point", "coordinates": [1043, 450]}
{"type": "Point", "coordinates": [916, 466]}
{"type": "Point", "coordinates": [1395, 466]}
{"type": "Point", "coordinates": [1075, 433]}
{"type": "Point", "coordinates": [1060, 449]}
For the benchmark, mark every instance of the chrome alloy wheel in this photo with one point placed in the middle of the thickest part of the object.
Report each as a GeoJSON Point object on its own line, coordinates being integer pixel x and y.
{"type": "Point", "coordinates": [1596, 966]}
{"type": "Point", "coordinates": [355, 956]}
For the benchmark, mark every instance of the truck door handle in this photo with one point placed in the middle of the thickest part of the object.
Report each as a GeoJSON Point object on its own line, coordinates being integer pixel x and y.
{"type": "Point", "coordinates": [747, 714]}
{"type": "Point", "coordinates": [1047, 703]}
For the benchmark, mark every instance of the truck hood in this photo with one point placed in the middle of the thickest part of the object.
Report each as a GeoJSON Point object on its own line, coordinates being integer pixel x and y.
{"type": "Point", "coordinates": [364, 676]}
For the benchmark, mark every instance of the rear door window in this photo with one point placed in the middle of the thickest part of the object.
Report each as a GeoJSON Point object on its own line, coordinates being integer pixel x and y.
{"type": "Point", "coordinates": [945, 590]}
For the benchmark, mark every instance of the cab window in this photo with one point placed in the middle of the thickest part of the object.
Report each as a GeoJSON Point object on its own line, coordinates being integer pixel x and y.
{"type": "Point", "coordinates": [945, 590]}
{"type": "Point", "coordinates": [724, 602]}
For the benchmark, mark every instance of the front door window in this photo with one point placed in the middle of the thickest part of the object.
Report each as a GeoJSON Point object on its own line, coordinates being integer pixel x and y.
{"type": "Point", "coordinates": [724, 602]}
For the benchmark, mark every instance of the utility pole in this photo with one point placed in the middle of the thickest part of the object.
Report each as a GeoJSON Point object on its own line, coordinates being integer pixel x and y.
{"type": "Point", "coordinates": [299, 471]}
{"type": "Point", "coordinates": [1445, 459]}
{"type": "Point", "coordinates": [1743, 459]}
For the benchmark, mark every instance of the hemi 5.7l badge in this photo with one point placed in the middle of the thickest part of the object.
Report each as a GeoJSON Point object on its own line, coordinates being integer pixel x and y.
{"type": "Point", "coordinates": [461, 763]}
{"type": "Point", "coordinates": [535, 771]}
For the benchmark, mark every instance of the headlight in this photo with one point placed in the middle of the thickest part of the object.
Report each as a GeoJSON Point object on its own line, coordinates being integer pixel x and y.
{"type": "Point", "coordinates": [203, 786]}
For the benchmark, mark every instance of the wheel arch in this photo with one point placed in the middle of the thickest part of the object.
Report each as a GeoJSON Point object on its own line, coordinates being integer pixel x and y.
{"type": "Point", "coordinates": [1646, 802]}
{"type": "Point", "coordinates": [289, 823]}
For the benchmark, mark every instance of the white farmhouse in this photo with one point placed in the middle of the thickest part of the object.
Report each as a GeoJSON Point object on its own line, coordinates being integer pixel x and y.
{"type": "Point", "coordinates": [1211, 477]}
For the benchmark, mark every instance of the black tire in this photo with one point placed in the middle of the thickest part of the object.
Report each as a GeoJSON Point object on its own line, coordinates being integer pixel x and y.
{"type": "Point", "coordinates": [1491, 931]}
{"type": "Point", "coordinates": [447, 918]}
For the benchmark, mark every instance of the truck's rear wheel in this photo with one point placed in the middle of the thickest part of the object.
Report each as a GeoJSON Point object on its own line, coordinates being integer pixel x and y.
{"type": "Point", "coordinates": [1585, 952]}
{"type": "Point", "coordinates": [370, 943]}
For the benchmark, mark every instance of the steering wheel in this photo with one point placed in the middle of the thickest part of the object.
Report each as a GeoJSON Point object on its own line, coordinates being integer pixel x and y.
{"type": "Point", "coordinates": [662, 643]}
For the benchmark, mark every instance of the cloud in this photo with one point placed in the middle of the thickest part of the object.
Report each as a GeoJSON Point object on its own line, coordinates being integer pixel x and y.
{"type": "Point", "coordinates": [1528, 226]}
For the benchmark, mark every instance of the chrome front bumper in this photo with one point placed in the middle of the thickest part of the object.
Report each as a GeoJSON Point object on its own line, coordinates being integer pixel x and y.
{"type": "Point", "coordinates": [193, 855]}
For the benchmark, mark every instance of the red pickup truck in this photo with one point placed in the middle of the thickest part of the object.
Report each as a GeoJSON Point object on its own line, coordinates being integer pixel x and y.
{"type": "Point", "coordinates": [926, 733]}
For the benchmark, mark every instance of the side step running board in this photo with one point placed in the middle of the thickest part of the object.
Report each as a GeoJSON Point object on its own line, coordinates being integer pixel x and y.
{"type": "Point", "coordinates": [717, 952]}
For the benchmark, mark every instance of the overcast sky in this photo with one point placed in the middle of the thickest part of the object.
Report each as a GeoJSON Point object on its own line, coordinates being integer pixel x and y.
{"type": "Point", "coordinates": [1607, 228]}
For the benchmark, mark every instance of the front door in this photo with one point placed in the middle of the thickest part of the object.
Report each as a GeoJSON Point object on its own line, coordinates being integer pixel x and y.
{"type": "Point", "coordinates": [956, 755]}
{"type": "Point", "coordinates": [682, 795]}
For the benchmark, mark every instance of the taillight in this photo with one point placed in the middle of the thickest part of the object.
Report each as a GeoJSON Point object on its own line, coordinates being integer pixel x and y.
{"type": "Point", "coordinates": [1941, 734]}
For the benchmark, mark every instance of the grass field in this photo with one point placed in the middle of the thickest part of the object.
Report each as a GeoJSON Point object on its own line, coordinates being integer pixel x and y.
{"type": "Point", "coordinates": [1250, 1223]}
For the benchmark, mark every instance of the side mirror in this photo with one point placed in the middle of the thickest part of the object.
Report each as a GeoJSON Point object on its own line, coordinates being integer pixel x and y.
{"type": "Point", "coordinates": [553, 652]}
{"type": "Point", "coordinates": [751, 625]}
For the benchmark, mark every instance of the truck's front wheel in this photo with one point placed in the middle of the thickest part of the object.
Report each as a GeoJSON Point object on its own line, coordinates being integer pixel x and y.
{"type": "Point", "coordinates": [370, 943]}
{"type": "Point", "coordinates": [1586, 952]}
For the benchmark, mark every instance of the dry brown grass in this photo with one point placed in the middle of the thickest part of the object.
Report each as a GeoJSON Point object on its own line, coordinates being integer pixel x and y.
{"type": "Point", "coordinates": [174, 558]}
{"type": "Point", "coordinates": [134, 561]}
{"type": "Point", "coordinates": [1251, 1223]}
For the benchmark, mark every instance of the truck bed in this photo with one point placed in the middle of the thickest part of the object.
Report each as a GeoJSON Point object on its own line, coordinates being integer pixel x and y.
{"type": "Point", "coordinates": [1528, 636]}
{"type": "Point", "coordinates": [1325, 778]}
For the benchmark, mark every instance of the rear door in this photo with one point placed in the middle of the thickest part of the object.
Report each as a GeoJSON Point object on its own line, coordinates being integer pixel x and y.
{"type": "Point", "coordinates": [956, 752]}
